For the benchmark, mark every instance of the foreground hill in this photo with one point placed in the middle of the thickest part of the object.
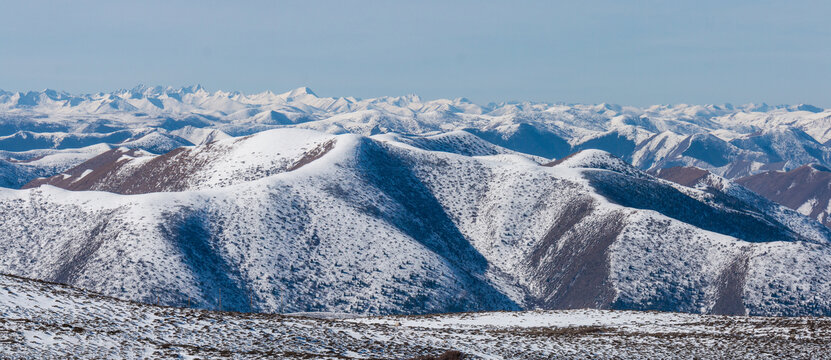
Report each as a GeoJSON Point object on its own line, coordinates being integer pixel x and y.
{"type": "Point", "coordinates": [297, 220]}
{"type": "Point", "coordinates": [45, 320]}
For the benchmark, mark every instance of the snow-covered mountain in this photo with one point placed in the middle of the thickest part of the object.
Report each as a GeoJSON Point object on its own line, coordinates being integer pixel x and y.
{"type": "Point", "coordinates": [731, 141]}
{"type": "Point", "coordinates": [806, 189]}
{"type": "Point", "coordinates": [295, 202]}
{"type": "Point", "coordinates": [302, 220]}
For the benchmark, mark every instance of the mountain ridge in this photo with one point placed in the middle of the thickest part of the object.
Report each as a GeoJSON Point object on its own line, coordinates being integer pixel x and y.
{"type": "Point", "coordinates": [377, 226]}
{"type": "Point", "coordinates": [399, 205]}
{"type": "Point", "coordinates": [650, 137]}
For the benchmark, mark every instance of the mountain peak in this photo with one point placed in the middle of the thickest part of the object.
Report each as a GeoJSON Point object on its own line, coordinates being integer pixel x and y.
{"type": "Point", "coordinates": [303, 90]}
{"type": "Point", "coordinates": [590, 158]}
{"type": "Point", "coordinates": [809, 108]}
{"type": "Point", "coordinates": [193, 89]}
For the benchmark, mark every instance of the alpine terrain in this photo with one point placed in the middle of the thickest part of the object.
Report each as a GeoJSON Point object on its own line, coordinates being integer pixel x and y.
{"type": "Point", "coordinates": [295, 203]}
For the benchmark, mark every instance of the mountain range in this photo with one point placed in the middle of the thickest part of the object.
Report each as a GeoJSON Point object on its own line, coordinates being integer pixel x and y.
{"type": "Point", "coordinates": [293, 203]}
{"type": "Point", "coordinates": [731, 141]}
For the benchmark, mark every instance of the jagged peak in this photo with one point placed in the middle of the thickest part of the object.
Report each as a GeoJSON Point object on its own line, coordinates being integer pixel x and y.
{"type": "Point", "coordinates": [301, 91]}
{"type": "Point", "coordinates": [809, 108]}
{"type": "Point", "coordinates": [703, 111]}
{"type": "Point", "coordinates": [195, 88]}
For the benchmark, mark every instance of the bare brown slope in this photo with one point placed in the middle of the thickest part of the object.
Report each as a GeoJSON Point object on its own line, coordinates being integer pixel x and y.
{"type": "Point", "coordinates": [570, 264]}
{"type": "Point", "coordinates": [88, 173]}
{"type": "Point", "coordinates": [560, 160]}
{"type": "Point", "coordinates": [731, 283]}
{"type": "Point", "coordinates": [109, 172]}
{"type": "Point", "coordinates": [684, 175]}
{"type": "Point", "coordinates": [120, 171]}
{"type": "Point", "coordinates": [795, 188]}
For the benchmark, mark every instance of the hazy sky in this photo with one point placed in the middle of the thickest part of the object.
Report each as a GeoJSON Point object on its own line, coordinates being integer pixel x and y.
{"type": "Point", "coordinates": [625, 52]}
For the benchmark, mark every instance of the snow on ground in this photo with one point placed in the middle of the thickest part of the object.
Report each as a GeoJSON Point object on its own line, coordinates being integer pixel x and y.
{"type": "Point", "coordinates": [48, 320]}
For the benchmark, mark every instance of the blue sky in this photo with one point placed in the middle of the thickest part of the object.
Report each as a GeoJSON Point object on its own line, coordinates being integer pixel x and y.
{"type": "Point", "coordinates": [625, 52]}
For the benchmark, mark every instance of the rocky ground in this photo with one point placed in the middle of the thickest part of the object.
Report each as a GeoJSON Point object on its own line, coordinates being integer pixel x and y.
{"type": "Point", "coordinates": [46, 320]}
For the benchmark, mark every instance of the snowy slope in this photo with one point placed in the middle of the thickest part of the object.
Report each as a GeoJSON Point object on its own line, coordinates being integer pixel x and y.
{"type": "Point", "coordinates": [43, 320]}
{"type": "Point", "coordinates": [18, 168]}
{"type": "Point", "coordinates": [299, 220]}
{"type": "Point", "coordinates": [731, 141]}
{"type": "Point", "coordinates": [806, 189]}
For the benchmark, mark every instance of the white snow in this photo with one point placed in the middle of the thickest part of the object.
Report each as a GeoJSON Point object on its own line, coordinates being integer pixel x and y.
{"type": "Point", "coordinates": [807, 207]}
{"type": "Point", "coordinates": [337, 221]}
{"type": "Point", "coordinates": [55, 321]}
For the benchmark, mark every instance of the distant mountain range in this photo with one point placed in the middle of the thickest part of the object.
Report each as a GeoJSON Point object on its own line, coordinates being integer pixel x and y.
{"type": "Point", "coordinates": [293, 202]}
{"type": "Point", "coordinates": [731, 141]}
{"type": "Point", "coordinates": [806, 189]}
